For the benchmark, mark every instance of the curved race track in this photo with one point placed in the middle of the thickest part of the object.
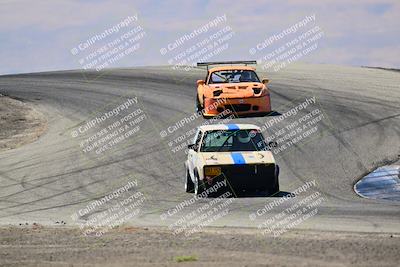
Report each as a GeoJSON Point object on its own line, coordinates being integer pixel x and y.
{"type": "Point", "coordinates": [50, 179]}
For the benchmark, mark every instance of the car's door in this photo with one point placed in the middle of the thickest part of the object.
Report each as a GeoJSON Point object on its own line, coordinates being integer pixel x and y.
{"type": "Point", "coordinates": [192, 153]}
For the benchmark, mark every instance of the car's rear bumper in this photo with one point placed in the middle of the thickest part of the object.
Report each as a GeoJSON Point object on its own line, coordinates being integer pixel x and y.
{"type": "Point", "coordinates": [238, 106]}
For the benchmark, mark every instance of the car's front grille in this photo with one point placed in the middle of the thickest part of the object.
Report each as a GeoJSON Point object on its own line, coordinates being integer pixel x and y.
{"type": "Point", "coordinates": [238, 107]}
{"type": "Point", "coordinates": [249, 176]}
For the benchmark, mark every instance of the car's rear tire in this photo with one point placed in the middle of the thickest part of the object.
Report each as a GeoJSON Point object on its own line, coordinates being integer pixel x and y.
{"type": "Point", "coordinates": [189, 185]}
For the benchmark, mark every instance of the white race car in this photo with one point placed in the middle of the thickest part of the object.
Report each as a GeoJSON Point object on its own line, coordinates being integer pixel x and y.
{"type": "Point", "coordinates": [235, 155]}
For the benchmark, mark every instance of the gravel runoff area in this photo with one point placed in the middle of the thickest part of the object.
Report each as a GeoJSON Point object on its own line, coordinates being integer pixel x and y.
{"type": "Point", "coordinates": [20, 123]}
{"type": "Point", "coordinates": [128, 246]}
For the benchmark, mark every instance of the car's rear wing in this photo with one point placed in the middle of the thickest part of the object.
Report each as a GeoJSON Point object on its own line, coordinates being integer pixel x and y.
{"type": "Point", "coordinates": [201, 64]}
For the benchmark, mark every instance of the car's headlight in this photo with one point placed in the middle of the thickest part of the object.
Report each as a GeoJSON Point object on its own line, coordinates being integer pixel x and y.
{"type": "Point", "coordinates": [257, 90]}
{"type": "Point", "coordinates": [212, 170]}
{"type": "Point", "coordinates": [217, 92]}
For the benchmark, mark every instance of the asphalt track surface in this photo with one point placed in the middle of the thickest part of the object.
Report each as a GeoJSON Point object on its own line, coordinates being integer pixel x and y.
{"type": "Point", "coordinates": [49, 180]}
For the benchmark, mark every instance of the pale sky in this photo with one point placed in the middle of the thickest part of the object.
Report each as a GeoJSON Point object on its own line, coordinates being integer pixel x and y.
{"type": "Point", "coordinates": [39, 35]}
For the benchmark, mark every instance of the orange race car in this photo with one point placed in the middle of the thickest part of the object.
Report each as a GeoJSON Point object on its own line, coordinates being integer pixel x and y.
{"type": "Point", "coordinates": [232, 88]}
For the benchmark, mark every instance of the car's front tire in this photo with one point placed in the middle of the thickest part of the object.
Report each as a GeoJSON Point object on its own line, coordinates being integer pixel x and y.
{"type": "Point", "coordinates": [189, 185]}
{"type": "Point", "coordinates": [199, 187]}
{"type": "Point", "coordinates": [199, 108]}
{"type": "Point", "coordinates": [275, 188]}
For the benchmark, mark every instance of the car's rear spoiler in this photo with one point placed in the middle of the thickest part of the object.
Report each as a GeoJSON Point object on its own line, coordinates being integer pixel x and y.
{"type": "Point", "coordinates": [201, 64]}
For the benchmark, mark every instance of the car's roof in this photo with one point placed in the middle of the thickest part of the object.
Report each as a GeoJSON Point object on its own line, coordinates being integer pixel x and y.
{"type": "Point", "coordinates": [215, 127]}
{"type": "Point", "coordinates": [231, 68]}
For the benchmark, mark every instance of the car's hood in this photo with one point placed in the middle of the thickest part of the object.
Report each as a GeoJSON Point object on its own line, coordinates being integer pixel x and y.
{"type": "Point", "coordinates": [244, 157]}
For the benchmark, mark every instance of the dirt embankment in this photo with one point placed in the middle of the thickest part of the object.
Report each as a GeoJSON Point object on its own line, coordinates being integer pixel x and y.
{"type": "Point", "coordinates": [128, 246]}
{"type": "Point", "coordinates": [19, 123]}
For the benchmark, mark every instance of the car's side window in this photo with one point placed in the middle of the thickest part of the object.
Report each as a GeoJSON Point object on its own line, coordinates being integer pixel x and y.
{"type": "Point", "coordinates": [198, 138]}
{"type": "Point", "coordinates": [195, 136]}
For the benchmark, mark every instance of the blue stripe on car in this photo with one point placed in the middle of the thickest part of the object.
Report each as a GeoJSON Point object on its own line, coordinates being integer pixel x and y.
{"type": "Point", "coordinates": [238, 158]}
{"type": "Point", "coordinates": [232, 127]}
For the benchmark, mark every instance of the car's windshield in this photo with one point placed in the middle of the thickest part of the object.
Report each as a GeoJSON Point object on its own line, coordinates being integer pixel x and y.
{"type": "Point", "coordinates": [232, 140]}
{"type": "Point", "coordinates": [233, 76]}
